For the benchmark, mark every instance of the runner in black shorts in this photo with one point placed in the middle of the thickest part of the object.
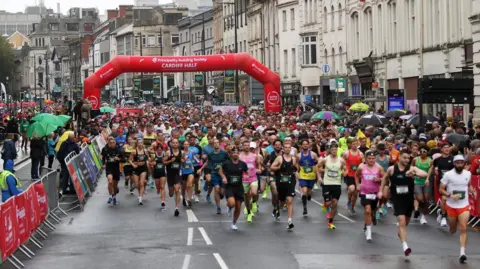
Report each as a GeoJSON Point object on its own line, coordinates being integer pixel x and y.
{"type": "Point", "coordinates": [232, 172]}
{"type": "Point", "coordinates": [159, 174]}
{"type": "Point", "coordinates": [284, 169]}
{"type": "Point", "coordinates": [138, 159]}
{"type": "Point", "coordinates": [173, 160]}
{"type": "Point", "coordinates": [127, 167]}
{"type": "Point", "coordinates": [111, 161]}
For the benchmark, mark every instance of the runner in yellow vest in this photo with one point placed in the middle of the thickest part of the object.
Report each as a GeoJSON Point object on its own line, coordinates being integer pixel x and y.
{"type": "Point", "coordinates": [10, 185]}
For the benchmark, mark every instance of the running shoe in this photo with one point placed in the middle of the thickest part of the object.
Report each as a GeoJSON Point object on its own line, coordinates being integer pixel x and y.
{"type": "Point", "coordinates": [315, 187]}
{"type": "Point", "coordinates": [439, 215]}
{"type": "Point", "coordinates": [195, 199]}
{"type": "Point", "coordinates": [324, 208]}
{"type": "Point", "coordinates": [245, 211]}
{"type": "Point", "coordinates": [463, 259]}
{"type": "Point", "coordinates": [176, 213]}
{"type": "Point", "coordinates": [416, 215]}
{"type": "Point", "coordinates": [250, 218]}
{"type": "Point", "coordinates": [219, 211]}
{"type": "Point", "coordinates": [277, 214]}
{"type": "Point", "coordinates": [126, 185]}
{"type": "Point", "coordinates": [389, 205]}
{"type": "Point", "coordinates": [163, 207]}
{"type": "Point", "coordinates": [254, 208]}
{"type": "Point", "coordinates": [305, 212]}
{"type": "Point", "coordinates": [114, 200]}
{"type": "Point", "coordinates": [189, 203]}
{"type": "Point", "coordinates": [209, 200]}
{"type": "Point", "coordinates": [407, 251]}
{"type": "Point", "coordinates": [274, 213]}
{"type": "Point", "coordinates": [331, 226]}
{"type": "Point", "coordinates": [377, 215]}
{"type": "Point", "coordinates": [140, 201]}
{"type": "Point", "coordinates": [352, 212]}
{"type": "Point", "coordinates": [423, 221]}
{"type": "Point", "coordinates": [443, 223]}
{"type": "Point", "coordinates": [110, 199]}
{"type": "Point", "coordinates": [234, 227]}
{"type": "Point", "coordinates": [265, 195]}
{"type": "Point", "coordinates": [349, 204]}
{"type": "Point", "coordinates": [290, 225]}
{"type": "Point", "coordinates": [184, 202]}
{"type": "Point", "coordinates": [384, 210]}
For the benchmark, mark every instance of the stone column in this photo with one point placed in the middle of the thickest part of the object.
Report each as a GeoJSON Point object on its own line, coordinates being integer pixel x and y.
{"type": "Point", "coordinates": [475, 21]}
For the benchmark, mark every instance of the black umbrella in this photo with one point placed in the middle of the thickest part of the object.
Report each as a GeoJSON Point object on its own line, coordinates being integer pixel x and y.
{"type": "Point", "coordinates": [305, 116]}
{"type": "Point", "coordinates": [314, 106]}
{"type": "Point", "coordinates": [395, 113]}
{"type": "Point", "coordinates": [415, 120]}
{"type": "Point", "coordinates": [456, 139]}
{"type": "Point", "coordinates": [372, 119]}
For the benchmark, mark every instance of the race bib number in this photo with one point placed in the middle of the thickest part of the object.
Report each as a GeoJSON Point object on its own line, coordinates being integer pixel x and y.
{"type": "Point", "coordinates": [159, 166]}
{"type": "Point", "coordinates": [332, 173]}
{"type": "Point", "coordinates": [111, 159]}
{"type": "Point", "coordinates": [175, 165]}
{"type": "Point", "coordinates": [461, 193]}
{"type": "Point", "coordinates": [369, 177]}
{"type": "Point", "coordinates": [371, 196]}
{"type": "Point", "coordinates": [285, 179]}
{"type": "Point", "coordinates": [218, 166]}
{"type": "Point", "coordinates": [235, 180]}
{"type": "Point", "coordinates": [263, 178]}
{"type": "Point", "coordinates": [250, 166]}
{"type": "Point", "coordinates": [308, 169]}
{"type": "Point", "coordinates": [402, 189]}
{"type": "Point", "coordinates": [354, 167]}
{"type": "Point", "coordinates": [187, 166]}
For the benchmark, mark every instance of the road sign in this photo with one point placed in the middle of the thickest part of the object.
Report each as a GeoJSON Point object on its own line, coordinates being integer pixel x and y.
{"type": "Point", "coordinates": [325, 68]}
{"type": "Point", "coordinates": [308, 99]}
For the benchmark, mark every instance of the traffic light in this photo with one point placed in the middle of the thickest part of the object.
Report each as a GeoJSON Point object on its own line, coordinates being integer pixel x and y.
{"type": "Point", "coordinates": [22, 96]}
{"type": "Point", "coordinates": [3, 96]}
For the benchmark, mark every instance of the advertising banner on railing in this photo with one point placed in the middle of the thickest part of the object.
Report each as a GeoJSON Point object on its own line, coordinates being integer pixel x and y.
{"type": "Point", "coordinates": [8, 229]}
{"type": "Point", "coordinates": [95, 149]}
{"type": "Point", "coordinates": [474, 201]}
{"type": "Point", "coordinates": [82, 171]}
{"type": "Point", "coordinates": [32, 209]}
{"type": "Point", "coordinates": [22, 221]}
{"type": "Point", "coordinates": [90, 160]}
{"type": "Point", "coordinates": [95, 157]}
{"type": "Point", "coordinates": [42, 201]}
{"type": "Point", "coordinates": [77, 184]}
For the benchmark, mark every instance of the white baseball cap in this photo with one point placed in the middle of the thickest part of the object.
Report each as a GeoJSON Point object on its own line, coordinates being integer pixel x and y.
{"type": "Point", "coordinates": [253, 145]}
{"type": "Point", "coordinates": [458, 158]}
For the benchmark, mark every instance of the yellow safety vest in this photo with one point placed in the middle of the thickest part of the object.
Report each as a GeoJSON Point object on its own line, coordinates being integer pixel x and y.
{"type": "Point", "coordinates": [3, 180]}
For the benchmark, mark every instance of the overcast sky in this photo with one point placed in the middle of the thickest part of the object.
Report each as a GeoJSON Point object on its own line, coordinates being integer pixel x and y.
{"type": "Point", "coordinates": [102, 5]}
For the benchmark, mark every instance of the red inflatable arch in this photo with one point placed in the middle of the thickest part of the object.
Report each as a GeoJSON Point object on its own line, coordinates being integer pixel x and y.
{"type": "Point", "coordinates": [241, 61]}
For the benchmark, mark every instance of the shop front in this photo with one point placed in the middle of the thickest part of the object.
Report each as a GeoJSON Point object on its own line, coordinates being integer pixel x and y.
{"type": "Point", "coordinates": [291, 93]}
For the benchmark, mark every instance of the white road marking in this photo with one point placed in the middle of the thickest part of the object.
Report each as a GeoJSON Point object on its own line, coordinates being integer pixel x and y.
{"type": "Point", "coordinates": [186, 261]}
{"type": "Point", "coordinates": [275, 221]}
{"type": "Point", "coordinates": [191, 216]}
{"type": "Point", "coordinates": [190, 236]}
{"type": "Point", "coordinates": [220, 261]}
{"type": "Point", "coordinates": [320, 204]}
{"type": "Point", "coordinates": [205, 236]}
{"type": "Point", "coordinates": [21, 165]}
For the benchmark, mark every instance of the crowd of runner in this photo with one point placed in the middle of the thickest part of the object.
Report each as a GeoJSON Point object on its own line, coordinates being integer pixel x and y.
{"type": "Point", "coordinates": [244, 156]}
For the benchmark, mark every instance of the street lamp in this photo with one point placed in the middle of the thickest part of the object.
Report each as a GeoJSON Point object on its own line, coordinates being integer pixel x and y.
{"type": "Point", "coordinates": [235, 13]}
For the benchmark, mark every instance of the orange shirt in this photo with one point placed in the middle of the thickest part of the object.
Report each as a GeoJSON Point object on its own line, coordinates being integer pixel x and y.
{"type": "Point", "coordinates": [394, 155]}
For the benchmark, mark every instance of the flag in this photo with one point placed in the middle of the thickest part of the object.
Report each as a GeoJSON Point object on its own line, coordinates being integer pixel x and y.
{"type": "Point", "coordinates": [360, 134]}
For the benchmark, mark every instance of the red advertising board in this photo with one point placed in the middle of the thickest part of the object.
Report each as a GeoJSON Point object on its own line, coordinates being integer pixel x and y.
{"type": "Point", "coordinates": [22, 220]}
{"type": "Point", "coordinates": [32, 213]}
{"type": "Point", "coordinates": [8, 226]}
{"type": "Point", "coordinates": [76, 182]}
{"type": "Point", "coordinates": [42, 201]}
{"type": "Point", "coordinates": [131, 111]}
{"type": "Point", "coordinates": [475, 200]}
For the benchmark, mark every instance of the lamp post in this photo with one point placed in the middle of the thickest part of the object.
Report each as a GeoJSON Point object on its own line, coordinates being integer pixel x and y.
{"type": "Point", "coordinates": [235, 14]}
{"type": "Point", "coordinates": [6, 92]}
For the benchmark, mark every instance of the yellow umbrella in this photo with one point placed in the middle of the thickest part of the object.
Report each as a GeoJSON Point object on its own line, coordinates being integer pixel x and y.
{"type": "Point", "coordinates": [361, 107]}
{"type": "Point", "coordinates": [62, 139]}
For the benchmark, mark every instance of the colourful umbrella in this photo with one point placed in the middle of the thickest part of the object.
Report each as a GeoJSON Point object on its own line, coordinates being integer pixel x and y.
{"type": "Point", "coordinates": [359, 107]}
{"type": "Point", "coordinates": [64, 118]}
{"type": "Point", "coordinates": [48, 119]}
{"type": "Point", "coordinates": [41, 129]}
{"type": "Point", "coordinates": [325, 115]}
{"type": "Point", "coordinates": [107, 109]}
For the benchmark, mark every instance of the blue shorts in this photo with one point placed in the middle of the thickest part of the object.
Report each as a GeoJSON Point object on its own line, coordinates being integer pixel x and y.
{"type": "Point", "coordinates": [216, 181]}
{"type": "Point", "coordinates": [306, 183]}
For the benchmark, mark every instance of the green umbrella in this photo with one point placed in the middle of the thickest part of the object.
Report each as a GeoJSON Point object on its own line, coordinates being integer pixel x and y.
{"type": "Point", "coordinates": [64, 118]}
{"type": "Point", "coordinates": [48, 119]}
{"type": "Point", "coordinates": [325, 115]}
{"type": "Point", "coordinates": [107, 109]}
{"type": "Point", "coordinates": [41, 129]}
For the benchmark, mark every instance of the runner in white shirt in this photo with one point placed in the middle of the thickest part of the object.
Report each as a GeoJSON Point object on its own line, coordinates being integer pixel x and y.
{"type": "Point", "coordinates": [456, 186]}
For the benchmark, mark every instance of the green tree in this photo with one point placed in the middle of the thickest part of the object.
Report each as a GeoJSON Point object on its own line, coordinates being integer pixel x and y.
{"type": "Point", "coordinates": [7, 60]}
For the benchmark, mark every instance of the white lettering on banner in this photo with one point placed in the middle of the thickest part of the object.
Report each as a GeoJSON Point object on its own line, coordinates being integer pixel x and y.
{"type": "Point", "coordinates": [179, 60]}
{"type": "Point", "coordinates": [21, 213]}
{"type": "Point", "coordinates": [259, 69]}
{"type": "Point", "coordinates": [180, 65]}
{"type": "Point", "coordinates": [273, 98]}
{"type": "Point", "coordinates": [93, 100]}
{"type": "Point", "coordinates": [106, 73]}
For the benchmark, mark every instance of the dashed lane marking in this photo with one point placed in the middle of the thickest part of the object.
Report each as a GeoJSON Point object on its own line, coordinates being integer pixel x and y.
{"type": "Point", "coordinates": [220, 261]}
{"type": "Point", "coordinates": [186, 261]}
{"type": "Point", "coordinates": [190, 236]}
{"type": "Point", "coordinates": [191, 216]}
{"type": "Point", "coordinates": [320, 204]}
{"type": "Point", "coordinates": [205, 236]}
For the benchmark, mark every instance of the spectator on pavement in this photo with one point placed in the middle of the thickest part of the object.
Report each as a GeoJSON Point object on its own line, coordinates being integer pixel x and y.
{"type": "Point", "coordinates": [66, 148]}
{"type": "Point", "coordinates": [37, 153]}
{"type": "Point", "coordinates": [10, 185]}
{"type": "Point", "coordinates": [9, 152]}
{"type": "Point", "coordinates": [51, 150]}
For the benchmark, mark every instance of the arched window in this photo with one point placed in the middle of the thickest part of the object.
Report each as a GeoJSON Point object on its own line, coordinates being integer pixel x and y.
{"type": "Point", "coordinates": [334, 71]}
{"type": "Point", "coordinates": [340, 60]}
{"type": "Point", "coordinates": [332, 19]}
{"type": "Point", "coordinates": [325, 56]}
{"type": "Point", "coordinates": [369, 28]}
{"type": "Point", "coordinates": [355, 36]}
{"type": "Point", "coordinates": [340, 15]}
{"type": "Point", "coordinates": [392, 15]}
{"type": "Point", "coordinates": [380, 40]}
{"type": "Point", "coordinates": [325, 25]}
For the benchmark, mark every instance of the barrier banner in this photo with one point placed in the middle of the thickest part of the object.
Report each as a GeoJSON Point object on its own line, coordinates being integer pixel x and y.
{"type": "Point", "coordinates": [42, 201]}
{"type": "Point", "coordinates": [8, 229]}
{"type": "Point", "coordinates": [32, 213]}
{"type": "Point", "coordinates": [475, 200]}
{"type": "Point", "coordinates": [95, 157]}
{"type": "Point", "coordinates": [101, 143]}
{"type": "Point", "coordinates": [93, 160]}
{"type": "Point", "coordinates": [87, 159]}
{"type": "Point", "coordinates": [22, 220]}
{"type": "Point", "coordinates": [82, 171]}
{"type": "Point", "coordinates": [76, 182]}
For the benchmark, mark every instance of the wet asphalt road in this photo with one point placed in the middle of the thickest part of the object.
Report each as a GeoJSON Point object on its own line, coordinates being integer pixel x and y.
{"type": "Point", "coordinates": [130, 236]}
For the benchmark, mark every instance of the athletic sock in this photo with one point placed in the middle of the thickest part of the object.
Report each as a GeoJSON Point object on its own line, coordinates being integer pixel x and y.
{"type": "Point", "coordinates": [304, 200]}
{"type": "Point", "coordinates": [462, 251]}
{"type": "Point", "coordinates": [405, 246]}
{"type": "Point", "coordinates": [330, 220]}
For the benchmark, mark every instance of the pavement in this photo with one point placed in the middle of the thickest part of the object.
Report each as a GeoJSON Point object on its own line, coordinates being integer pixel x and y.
{"type": "Point", "coordinates": [128, 235]}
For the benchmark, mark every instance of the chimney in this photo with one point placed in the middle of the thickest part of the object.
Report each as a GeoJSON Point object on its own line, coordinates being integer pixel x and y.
{"type": "Point", "coordinates": [112, 14]}
{"type": "Point", "coordinates": [58, 8]}
{"type": "Point", "coordinates": [123, 10]}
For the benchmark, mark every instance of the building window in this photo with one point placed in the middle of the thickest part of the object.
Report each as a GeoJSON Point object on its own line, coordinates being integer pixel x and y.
{"type": "Point", "coordinates": [309, 44]}
{"type": "Point", "coordinates": [355, 36]}
{"type": "Point", "coordinates": [136, 41]}
{"type": "Point", "coordinates": [292, 19]}
{"type": "Point", "coordinates": [340, 16]}
{"type": "Point", "coordinates": [294, 63]}
{"type": "Point", "coordinates": [380, 45]}
{"type": "Point", "coordinates": [88, 27]}
{"type": "Point", "coordinates": [325, 20]}
{"type": "Point", "coordinates": [284, 18]}
{"type": "Point", "coordinates": [325, 56]}
{"type": "Point", "coordinates": [160, 41]}
{"type": "Point", "coordinates": [54, 27]}
{"type": "Point", "coordinates": [240, 46]}
{"type": "Point", "coordinates": [334, 71]}
{"type": "Point", "coordinates": [305, 11]}
{"type": "Point", "coordinates": [192, 39]}
{"type": "Point", "coordinates": [392, 10]}
{"type": "Point", "coordinates": [332, 19]}
{"type": "Point", "coordinates": [151, 41]}
{"type": "Point", "coordinates": [144, 41]}
{"type": "Point", "coordinates": [369, 26]}
{"type": "Point", "coordinates": [175, 39]}
{"type": "Point", "coordinates": [340, 60]}
{"type": "Point", "coordinates": [285, 63]}
{"type": "Point", "coordinates": [314, 8]}
{"type": "Point", "coordinates": [436, 23]}
{"type": "Point", "coordinates": [413, 33]}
